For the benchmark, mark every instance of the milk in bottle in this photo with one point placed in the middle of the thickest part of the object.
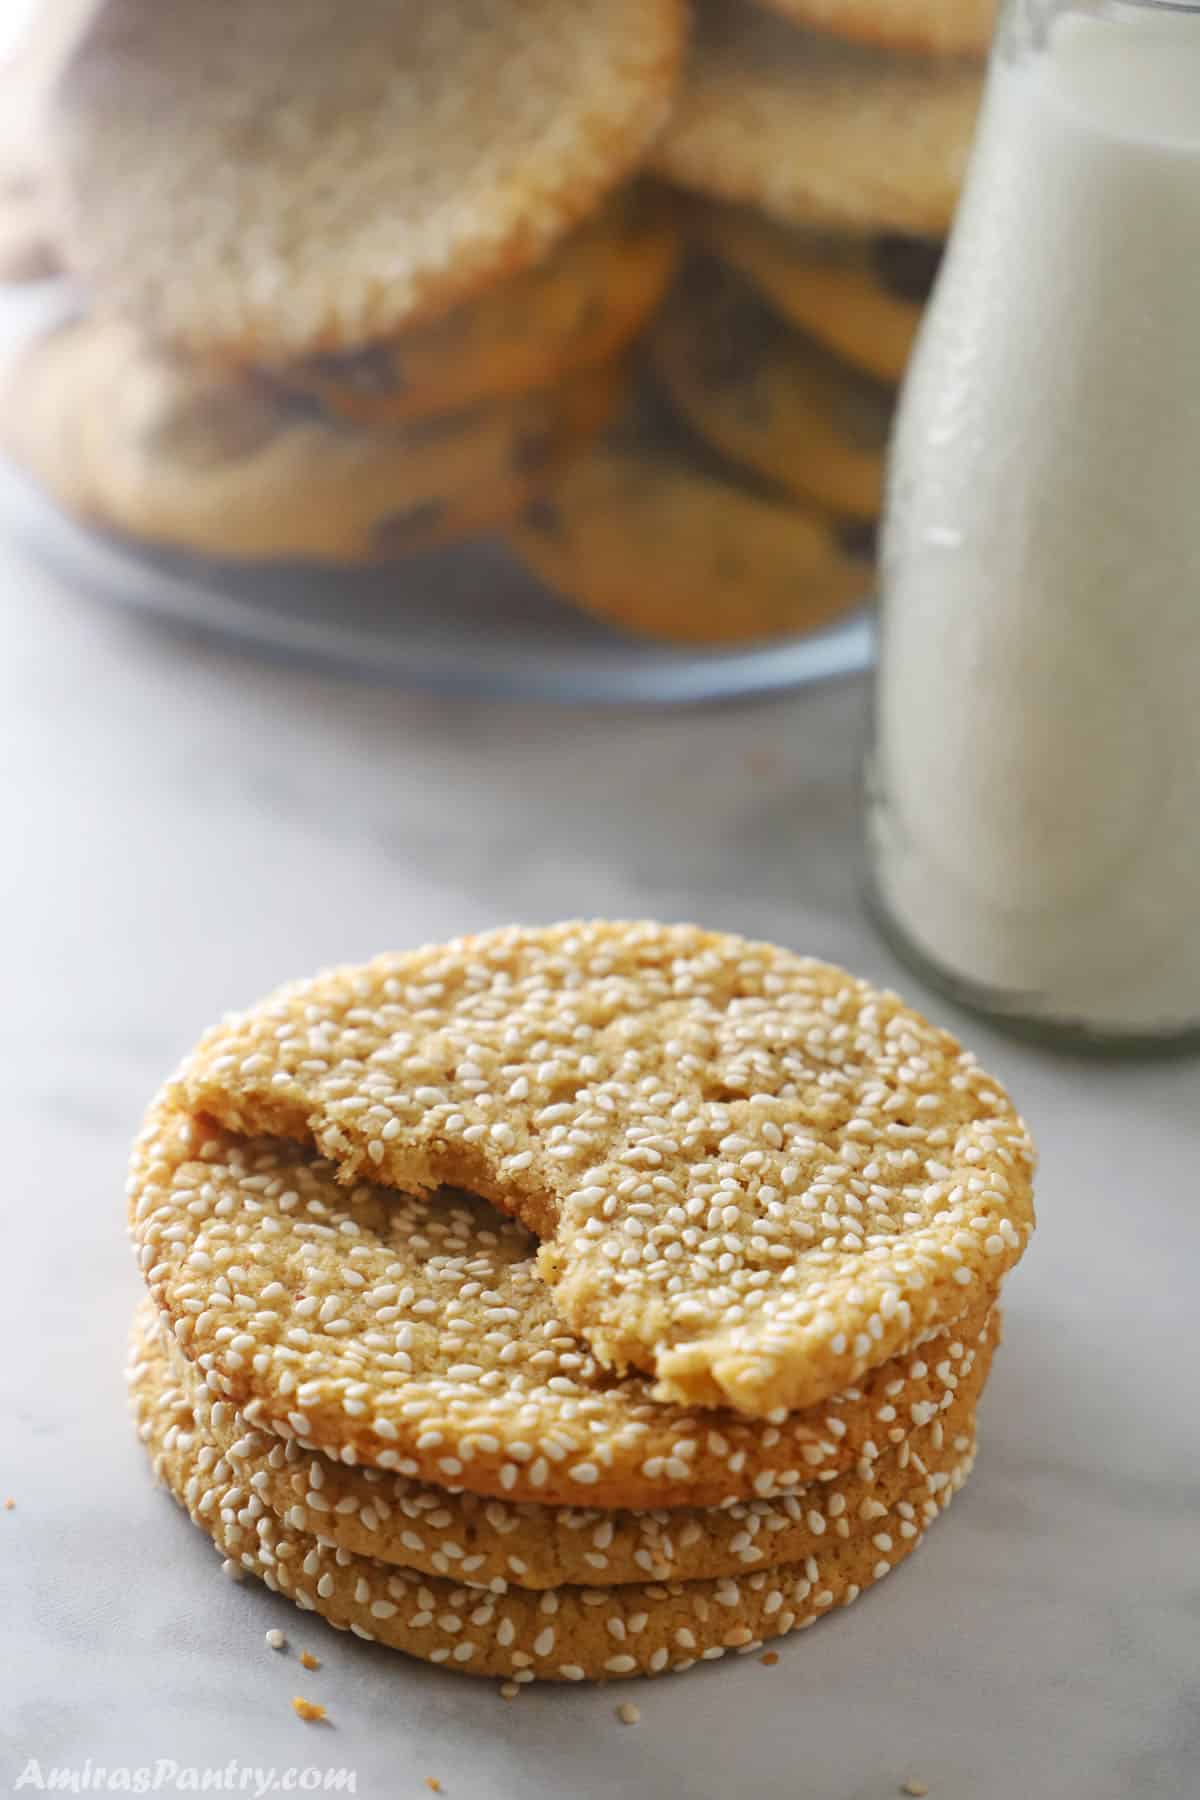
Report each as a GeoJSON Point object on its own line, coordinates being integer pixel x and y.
{"type": "Point", "coordinates": [1034, 804]}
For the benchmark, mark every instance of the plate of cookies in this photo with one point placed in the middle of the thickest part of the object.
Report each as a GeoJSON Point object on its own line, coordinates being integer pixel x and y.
{"type": "Point", "coordinates": [543, 349]}
{"type": "Point", "coordinates": [572, 1303]}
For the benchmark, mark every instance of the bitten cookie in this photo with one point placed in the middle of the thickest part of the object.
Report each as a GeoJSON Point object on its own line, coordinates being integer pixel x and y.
{"type": "Point", "coordinates": [931, 27]}
{"type": "Point", "coordinates": [576, 308]}
{"type": "Point", "coordinates": [770, 396]}
{"type": "Point", "coordinates": [491, 1543]}
{"type": "Point", "coordinates": [172, 453]}
{"type": "Point", "coordinates": [733, 561]}
{"type": "Point", "coordinates": [414, 1335]}
{"type": "Point", "coordinates": [815, 131]}
{"type": "Point", "coordinates": [753, 1175]}
{"type": "Point", "coordinates": [321, 188]}
{"type": "Point", "coordinates": [862, 297]}
{"type": "Point", "coordinates": [559, 1634]}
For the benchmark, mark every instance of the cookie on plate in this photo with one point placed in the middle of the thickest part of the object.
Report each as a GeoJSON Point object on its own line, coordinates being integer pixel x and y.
{"type": "Point", "coordinates": [862, 297]}
{"type": "Point", "coordinates": [929, 27]}
{"type": "Point", "coordinates": [413, 1334]}
{"type": "Point", "coordinates": [816, 131]}
{"type": "Point", "coordinates": [557, 1634]}
{"type": "Point", "coordinates": [576, 308]}
{"type": "Point", "coordinates": [173, 453]}
{"type": "Point", "coordinates": [753, 1176]}
{"type": "Point", "coordinates": [732, 561]}
{"type": "Point", "coordinates": [770, 396]}
{"type": "Point", "coordinates": [321, 188]}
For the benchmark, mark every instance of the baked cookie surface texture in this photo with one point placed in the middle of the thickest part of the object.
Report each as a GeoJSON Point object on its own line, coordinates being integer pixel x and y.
{"type": "Point", "coordinates": [753, 1176]}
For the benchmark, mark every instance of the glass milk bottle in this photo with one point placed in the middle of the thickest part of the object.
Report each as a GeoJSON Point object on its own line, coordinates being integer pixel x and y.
{"type": "Point", "coordinates": [1034, 783]}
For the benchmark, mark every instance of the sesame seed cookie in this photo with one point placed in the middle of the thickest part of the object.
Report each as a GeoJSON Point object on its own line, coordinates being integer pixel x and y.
{"type": "Point", "coordinates": [414, 1335]}
{"type": "Point", "coordinates": [221, 464]}
{"type": "Point", "coordinates": [559, 1634]}
{"type": "Point", "coordinates": [815, 131]}
{"type": "Point", "coordinates": [862, 297]}
{"type": "Point", "coordinates": [321, 188]}
{"type": "Point", "coordinates": [929, 27]}
{"type": "Point", "coordinates": [492, 1543]}
{"type": "Point", "coordinates": [770, 396]}
{"type": "Point", "coordinates": [753, 1175]}
{"type": "Point", "coordinates": [733, 561]}
{"type": "Point", "coordinates": [576, 308]}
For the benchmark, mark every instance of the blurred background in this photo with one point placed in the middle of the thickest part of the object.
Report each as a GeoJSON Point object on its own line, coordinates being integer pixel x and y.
{"type": "Point", "coordinates": [394, 372]}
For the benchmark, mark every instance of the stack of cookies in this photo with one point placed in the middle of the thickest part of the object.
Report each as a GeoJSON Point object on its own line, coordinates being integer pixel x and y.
{"type": "Point", "coordinates": [574, 1302]}
{"type": "Point", "coordinates": [629, 282]}
{"type": "Point", "coordinates": [351, 292]}
{"type": "Point", "coordinates": [825, 174]}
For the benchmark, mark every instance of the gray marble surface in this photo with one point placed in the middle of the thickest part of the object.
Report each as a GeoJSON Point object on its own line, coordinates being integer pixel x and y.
{"type": "Point", "coordinates": [180, 830]}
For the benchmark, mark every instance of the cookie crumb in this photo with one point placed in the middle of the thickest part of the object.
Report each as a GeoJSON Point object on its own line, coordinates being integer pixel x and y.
{"type": "Point", "coordinates": [628, 1713]}
{"type": "Point", "coordinates": [433, 1784]}
{"type": "Point", "coordinates": [308, 1710]}
{"type": "Point", "coordinates": [9, 1505]}
{"type": "Point", "coordinates": [509, 1691]}
{"type": "Point", "coordinates": [770, 1659]}
{"type": "Point", "coordinates": [308, 1660]}
{"type": "Point", "coordinates": [275, 1640]}
{"type": "Point", "coordinates": [234, 1570]}
{"type": "Point", "coordinates": [917, 1789]}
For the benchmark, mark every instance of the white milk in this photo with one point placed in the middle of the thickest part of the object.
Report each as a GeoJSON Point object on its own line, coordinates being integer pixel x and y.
{"type": "Point", "coordinates": [1036, 824]}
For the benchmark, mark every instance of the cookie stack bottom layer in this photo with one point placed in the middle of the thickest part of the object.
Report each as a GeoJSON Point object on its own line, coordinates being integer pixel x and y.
{"type": "Point", "coordinates": [565, 1633]}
